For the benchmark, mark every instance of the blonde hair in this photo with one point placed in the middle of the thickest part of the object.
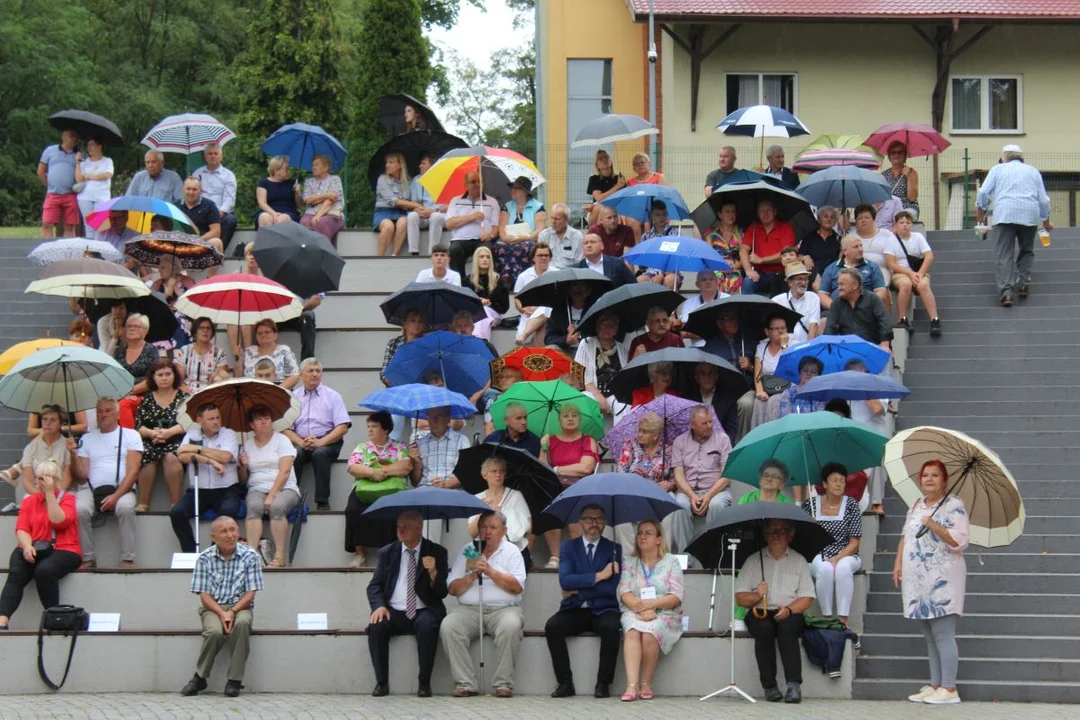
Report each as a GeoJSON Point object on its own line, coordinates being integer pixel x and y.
{"type": "Point", "coordinates": [491, 276]}
{"type": "Point", "coordinates": [650, 422]}
{"type": "Point", "coordinates": [601, 153]}
{"type": "Point", "coordinates": [48, 468]}
{"type": "Point", "coordinates": [277, 163]}
{"type": "Point", "coordinates": [640, 156]}
{"type": "Point", "coordinates": [664, 549]}
{"type": "Point", "coordinates": [490, 463]}
{"type": "Point", "coordinates": [569, 409]}
{"type": "Point", "coordinates": [401, 164]}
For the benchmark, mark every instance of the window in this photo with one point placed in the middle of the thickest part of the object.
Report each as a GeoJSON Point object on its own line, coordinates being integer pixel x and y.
{"type": "Point", "coordinates": [588, 96]}
{"type": "Point", "coordinates": [761, 89]}
{"type": "Point", "coordinates": [988, 104]}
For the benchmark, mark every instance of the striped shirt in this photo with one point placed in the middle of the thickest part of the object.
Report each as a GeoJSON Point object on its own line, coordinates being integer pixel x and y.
{"type": "Point", "coordinates": [1018, 194]}
{"type": "Point", "coordinates": [227, 580]}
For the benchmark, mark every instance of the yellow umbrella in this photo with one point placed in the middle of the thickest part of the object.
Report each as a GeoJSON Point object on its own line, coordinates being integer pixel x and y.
{"type": "Point", "coordinates": [848, 142]}
{"type": "Point", "coordinates": [15, 353]}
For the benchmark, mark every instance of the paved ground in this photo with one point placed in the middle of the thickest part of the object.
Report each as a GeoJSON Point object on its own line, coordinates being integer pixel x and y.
{"type": "Point", "coordinates": [324, 707]}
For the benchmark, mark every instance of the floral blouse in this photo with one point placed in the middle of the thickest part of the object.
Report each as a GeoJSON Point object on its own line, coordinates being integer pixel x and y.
{"type": "Point", "coordinates": [667, 578]}
{"type": "Point", "coordinates": [655, 467]}
{"type": "Point", "coordinates": [934, 574]}
{"type": "Point", "coordinates": [199, 369]}
{"type": "Point", "coordinates": [368, 453]}
{"type": "Point", "coordinates": [329, 184]}
{"type": "Point", "coordinates": [282, 357]}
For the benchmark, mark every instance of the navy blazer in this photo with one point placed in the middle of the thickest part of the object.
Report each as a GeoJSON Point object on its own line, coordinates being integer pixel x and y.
{"type": "Point", "coordinates": [383, 580]}
{"type": "Point", "coordinates": [615, 270]}
{"type": "Point", "coordinates": [575, 573]}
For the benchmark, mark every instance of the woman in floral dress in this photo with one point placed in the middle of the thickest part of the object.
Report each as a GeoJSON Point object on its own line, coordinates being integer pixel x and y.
{"type": "Point", "coordinates": [725, 237]}
{"type": "Point", "coordinates": [932, 575]}
{"type": "Point", "coordinates": [647, 456]}
{"type": "Point", "coordinates": [156, 423]}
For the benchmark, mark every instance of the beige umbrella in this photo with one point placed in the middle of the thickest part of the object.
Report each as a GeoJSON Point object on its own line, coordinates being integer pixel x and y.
{"type": "Point", "coordinates": [976, 475]}
{"type": "Point", "coordinates": [88, 279]}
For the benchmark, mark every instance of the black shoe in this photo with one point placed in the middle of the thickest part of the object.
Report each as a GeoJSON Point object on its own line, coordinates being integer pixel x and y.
{"type": "Point", "coordinates": [194, 686]}
{"type": "Point", "coordinates": [1007, 300]}
{"type": "Point", "coordinates": [415, 254]}
{"type": "Point", "coordinates": [424, 690]}
{"type": "Point", "coordinates": [935, 328]}
{"type": "Point", "coordinates": [381, 690]}
{"type": "Point", "coordinates": [564, 690]}
{"type": "Point", "coordinates": [1023, 291]}
{"type": "Point", "coordinates": [602, 690]}
{"type": "Point", "coordinates": [773, 694]}
{"type": "Point", "coordinates": [232, 688]}
{"type": "Point", "coordinates": [322, 507]}
{"type": "Point", "coordinates": [794, 693]}
{"type": "Point", "coordinates": [238, 250]}
{"type": "Point", "coordinates": [903, 324]}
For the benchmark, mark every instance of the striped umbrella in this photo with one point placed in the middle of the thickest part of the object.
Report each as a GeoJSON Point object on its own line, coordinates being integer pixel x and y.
{"type": "Point", "coordinates": [140, 210]}
{"type": "Point", "coordinates": [813, 160]}
{"type": "Point", "coordinates": [88, 278]}
{"type": "Point", "coordinates": [71, 377]}
{"type": "Point", "coordinates": [240, 299]}
{"type": "Point", "coordinates": [193, 252]}
{"type": "Point", "coordinates": [498, 167]}
{"type": "Point", "coordinates": [186, 134]}
{"type": "Point", "coordinates": [828, 141]}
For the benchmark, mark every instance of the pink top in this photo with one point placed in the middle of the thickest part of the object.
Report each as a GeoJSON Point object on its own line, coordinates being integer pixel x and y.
{"type": "Point", "coordinates": [654, 179]}
{"type": "Point", "coordinates": [561, 452]}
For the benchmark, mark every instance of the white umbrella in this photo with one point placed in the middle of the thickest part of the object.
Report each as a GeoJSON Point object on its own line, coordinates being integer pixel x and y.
{"type": "Point", "coordinates": [613, 128]}
{"type": "Point", "coordinates": [71, 249]}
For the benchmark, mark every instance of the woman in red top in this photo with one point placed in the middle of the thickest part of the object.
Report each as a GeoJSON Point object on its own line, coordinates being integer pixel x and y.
{"type": "Point", "coordinates": [572, 455]}
{"type": "Point", "coordinates": [47, 516]}
{"type": "Point", "coordinates": [660, 374]}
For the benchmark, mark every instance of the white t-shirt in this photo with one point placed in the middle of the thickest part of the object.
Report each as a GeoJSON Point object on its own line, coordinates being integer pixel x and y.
{"type": "Point", "coordinates": [883, 243]}
{"type": "Point", "coordinates": [263, 463]}
{"type": "Point", "coordinates": [915, 245]}
{"type": "Point", "coordinates": [526, 277]}
{"type": "Point", "coordinates": [428, 275]}
{"type": "Point", "coordinates": [768, 361]}
{"type": "Point", "coordinates": [209, 478]}
{"type": "Point", "coordinates": [691, 304]}
{"type": "Point", "coordinates": [860, 412]}
{"type": "Point", "coordinates": [96, 190]}
{"type": "Point", "coordinates": [809, 306]}
{"type": "Point", "coordinates": [102, 451]}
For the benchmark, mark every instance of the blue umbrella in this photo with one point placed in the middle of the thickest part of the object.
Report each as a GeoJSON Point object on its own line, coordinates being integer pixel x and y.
{"type": "Point", "coordinates": [302, 142]}
{"type": "Point", "coordinates": [415, 398]}
{"type": "Point", "coordinates": [852, 385]}
{"type": "Point", "coordinates": [431, 502]}
{"type": "Point", "coordinates": [762, 121]}
{"type": "Point", "coordinates": [636, 201]}
{"type": "Point", "coordinates": [672, 253]}
{"type": "Point", "coordinates": [439, 301]}
{"type": "Point", "coordinates": [625, 498]}
{"type": "Point", "coordinates": [844, 186]}
{"type": "Point", "coordinates": [748, 176]}
{"type": "Point", "coordinates": [462, 360]}
{"type": "Point", "coordinates": [834, 351]}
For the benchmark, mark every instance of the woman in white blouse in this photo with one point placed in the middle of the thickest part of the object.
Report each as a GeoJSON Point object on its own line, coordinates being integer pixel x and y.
{"type": "Point", "coordinates": [603, 356]}
{"type": "Point", "coordinates": [266, 465]}
{"type": "Point", "coordinates": [509, 502]}
{"type": "Point", "coordinates": [95, 172]}
{"type": "Point", "coordinates": [765, 360]}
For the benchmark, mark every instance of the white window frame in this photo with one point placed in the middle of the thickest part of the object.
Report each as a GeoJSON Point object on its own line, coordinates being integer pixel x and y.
{"type": "Point", "coordinates": [761, 84]}
{"type": "Point", "coordinates": [984, 115]}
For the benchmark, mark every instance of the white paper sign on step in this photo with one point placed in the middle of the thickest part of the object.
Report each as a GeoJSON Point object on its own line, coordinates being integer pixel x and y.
{"type": "Point", "coordinates": [311, 621]}
{"type": "Point", "coordinates": [183, 561]}
{"type": "Point", "coordinates": [104, 622]}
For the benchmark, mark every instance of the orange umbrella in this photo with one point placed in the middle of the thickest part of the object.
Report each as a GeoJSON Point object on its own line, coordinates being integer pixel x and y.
{"type": "Point", "coordinates": [538, 364]}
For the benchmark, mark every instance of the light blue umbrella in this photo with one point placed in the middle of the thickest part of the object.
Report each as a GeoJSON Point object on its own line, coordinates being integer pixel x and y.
{"type": "Point", "coordinates": [844, 186]}
{"type": "Point", "coordinates": [433, 503]}
{"type": "Point", "coordinates": [834, 351]}
{"type": "Point", "coordinates": [613, 128]}
{"type": "Point", "coordinates": [463, 361]}
{"type": "Point", "coordinates": [636, 201]}
{"type": "Point", "coordinates": [70, 376]}
{"type": "Point", "coordinates": [302, 142]}
{"type": "Point", "coordinates": [852, 385]}
{"type": "Point", "coordinates": [624, 497]}
{"type": "Point", "coordinates": [672, 253]}
{"type": "Point", "coordinates": [414, 398]}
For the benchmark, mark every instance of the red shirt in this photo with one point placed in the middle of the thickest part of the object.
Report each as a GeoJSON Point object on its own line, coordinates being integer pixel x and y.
{"type": "Point", "coordinates": [670, 340]}
{"type": "Point", "coordinates": [34, 519]}
{"type": "Point", "coordinates": [764, 244]}
{"type": "Point", "coordinates": [645, 394]}
{"type": "Point", "coordinates": [616, 242]}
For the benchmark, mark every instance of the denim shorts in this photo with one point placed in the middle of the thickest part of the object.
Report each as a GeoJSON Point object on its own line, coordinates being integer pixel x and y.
{"type": "Point", "coordinates": [386, 214]}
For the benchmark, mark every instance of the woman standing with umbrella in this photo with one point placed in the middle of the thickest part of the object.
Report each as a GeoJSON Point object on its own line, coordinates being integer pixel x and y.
{"type": "Point", "coordinates": [932, 575]}
{"type": "Point", "coordinates": [903, 180]}
{"type": "Point", "coordinates": [725, 237]}
{"type": "Point", "coordinates": [380, 466]}
{"type": "Point", "coordinates": [156, 423]}
{"type": "Point", "coordinates": [323, 195]}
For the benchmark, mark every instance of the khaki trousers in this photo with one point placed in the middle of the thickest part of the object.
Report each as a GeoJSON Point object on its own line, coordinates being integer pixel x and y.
{"type": "Point", "coordinates": [214, 638]}
{"type": "Point", "coordinates": [462, 626]}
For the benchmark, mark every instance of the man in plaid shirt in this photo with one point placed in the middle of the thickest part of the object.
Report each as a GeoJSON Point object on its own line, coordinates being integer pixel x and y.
{"type": "Point", "coordinates": [226, 577]}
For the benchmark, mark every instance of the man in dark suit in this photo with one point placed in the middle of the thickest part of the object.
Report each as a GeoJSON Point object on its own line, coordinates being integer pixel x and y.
{"type": "Point", "coordinates": [406, 597]}
{"type": "Point", "coordinates": [589, 577]}
{"type": "Point", "coordinates": [706, 377]}
{"type": "Point", "coordinates": [613, 268]}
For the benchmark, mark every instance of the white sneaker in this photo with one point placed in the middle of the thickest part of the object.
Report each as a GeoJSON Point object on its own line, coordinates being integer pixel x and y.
{"type": "Point", "coordinates": [941, 696]}
{"type": "Point", "coordinates": [738, 626]}
{"type": "Point", "coordinates": [924, 692]}
{"type": "Point", "coordinates": [553, 563]}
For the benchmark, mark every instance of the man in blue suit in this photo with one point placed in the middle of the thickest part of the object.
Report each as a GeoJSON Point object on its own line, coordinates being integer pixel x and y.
{"type": "Point", "coordinates": [613, 268]}
{"type": "Point", "coordinates": [589, 577]}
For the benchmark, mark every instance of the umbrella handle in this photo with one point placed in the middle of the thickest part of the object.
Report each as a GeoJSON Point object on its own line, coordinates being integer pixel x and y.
{"type": "Point", "coordinates": [762, 611]}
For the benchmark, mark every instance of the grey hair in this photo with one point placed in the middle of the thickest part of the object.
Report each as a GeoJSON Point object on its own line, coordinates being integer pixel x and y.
{"type": "Point", "coordinates": [845, 242]}
{"type": "Point", "coordinates": [656, 368]}
{"type": "Point", "coordinates": [47, 467]}
{"type": "Point", "coordinates": [697, 410]}
{"type": "Point", "coordinates": [490, 462]}
{"type": "Point", "coordinates": [106, 400]}
{"type": "Point", "coordinates": [212, 146]}
{"type": "Point", "coordinates": [514, 406]}
{"type": "Point", "coordinates": [732, 149]}
{"type": "Point", "coordinates": [651, 422]}
{"type": "Point", "coordinates": [854, 275]}
{"type": "Point", "coordinates": [772, 150]}
{"type": "Point", "coordinates": [463, 314]}
{"type": "Point", "coordinates": [828, 208]}
{"type": "Point", "coordinates": [309, 362]}
{"type": "Point", "coordinates": [1012, 156]}
{"type": "Point", "coordinates": [489, 513]}
{"type": "Point", "coordinates": [141, 319]}
{"type": "Point", "coordinates": [560, 207]}
{"type": "Point", "coordinates": [160, 155]}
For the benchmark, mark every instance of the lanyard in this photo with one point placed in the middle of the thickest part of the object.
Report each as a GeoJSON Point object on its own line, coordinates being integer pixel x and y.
{"type": "Point", "coordinates": [649, 573]}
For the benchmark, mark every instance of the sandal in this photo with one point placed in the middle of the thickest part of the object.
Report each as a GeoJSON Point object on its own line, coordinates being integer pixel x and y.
{"type": "Point", "coordinates": [277, 562]}
{"type": "Point", "coordinates": [629, 696]}
{"type": "Point", "coordinates": [646, 694]}
{"type": "Point", "coordinates": [140, 508]}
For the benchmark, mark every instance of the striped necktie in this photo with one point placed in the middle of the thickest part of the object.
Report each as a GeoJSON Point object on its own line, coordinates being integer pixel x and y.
{"type": "Point", "coordinates": [410, 591]}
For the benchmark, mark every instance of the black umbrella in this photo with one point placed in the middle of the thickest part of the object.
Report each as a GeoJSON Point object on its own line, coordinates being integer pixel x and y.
{"type": "Point", "coordinates": [302, 260]}
{"type": "Point", "coordinates": [790, 206]}
{"type": "Point", "coordinates": [684, 362]}
{"type": "Point", "coordinates": [392, 113]}
{"type": "Point", "coordinates": [87, 124]}
{"type": "Point", "coordinates": [747, 522]}
{"type": "Point", "coordinates": [752, 310]}
{"type": "Point", "coordinates": [524, 473]}
{"type": "Point", "coordinates": [413, 146]}
{"type": "Point", "coordinates": [631, 303]}
{"type": "Point", "coordinates": [163, 321]}
{"type": "Point", "coordinates": [438, 301]}
{"type": "Point", "coordinates": [550, 289]}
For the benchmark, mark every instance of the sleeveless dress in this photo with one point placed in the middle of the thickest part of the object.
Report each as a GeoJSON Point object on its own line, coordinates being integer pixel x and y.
{"type": "Point", "coordinates": [900, 190]}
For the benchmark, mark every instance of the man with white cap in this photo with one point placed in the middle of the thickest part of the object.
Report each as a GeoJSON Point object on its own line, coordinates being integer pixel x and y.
{"type": "Point", "coordinates": [1020, 203]}
{"type": "Point", "coordinates": [807, 304]}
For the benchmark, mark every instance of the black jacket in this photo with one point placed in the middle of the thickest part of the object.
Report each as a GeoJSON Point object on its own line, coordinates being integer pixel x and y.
{"type": "Point", "coordinates": [615, 270]}
{"type": "Point", "coordinates": [727, 411]}
{"type": "Point", "coordinates": [383, 580]}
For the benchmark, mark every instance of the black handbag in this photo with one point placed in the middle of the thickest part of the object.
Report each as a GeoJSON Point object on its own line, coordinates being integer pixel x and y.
{"type": "Point", "coordinates": [914, 261]}
{"type": "Point", "coordinates": [42, 549]}
{"type": "Point", "coordinates": [774, 384]}
{"type": "Point", "coordinates": [103, 491]}
{"type": "Point", "coordinates": [62, 619]}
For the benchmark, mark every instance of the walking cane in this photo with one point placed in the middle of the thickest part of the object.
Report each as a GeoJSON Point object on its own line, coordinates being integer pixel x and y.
{"type": "Point", "coordinates": [195, 487]}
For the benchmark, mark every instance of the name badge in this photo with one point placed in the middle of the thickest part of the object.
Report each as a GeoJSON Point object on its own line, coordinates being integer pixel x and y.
{"type": "Point", "coordinates": [648, 592]}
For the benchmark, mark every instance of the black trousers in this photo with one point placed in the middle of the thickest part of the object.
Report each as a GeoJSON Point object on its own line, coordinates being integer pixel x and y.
{"type": "Point", "coordinates": [46, 573]}
{"type": "Point", "coordinates": [425, 626]}
{"type": "Point", "coordinates": [565, 623]}
{"type": "Point", "coordinates": [223, 501]}
{"type": "Point", "coordinates": [322, 461]}
{"type": "Point", "coordinates": [461, 251]}
{"type": "Point", "coordinates": [228, 228]}
{"type": "Point", "coordinates": [768, 634]}
{"type": "Point", "coordinates": [306, 325]}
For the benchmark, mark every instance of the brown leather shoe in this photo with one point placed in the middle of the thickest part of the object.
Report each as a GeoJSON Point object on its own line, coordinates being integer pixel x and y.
{"type": "Point", "coordinates": [461, 692]}
{"type": "Point", "coordinates": [503, 693]}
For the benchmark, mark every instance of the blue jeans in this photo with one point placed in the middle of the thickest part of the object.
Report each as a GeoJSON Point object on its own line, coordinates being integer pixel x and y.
{"type": "Point", "coordinates": [223, 501]}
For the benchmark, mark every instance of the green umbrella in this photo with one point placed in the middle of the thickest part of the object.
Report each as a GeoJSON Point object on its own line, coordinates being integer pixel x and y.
{"type": "Point", "coordinates": [542, 401]}
{"type": "Point", "coordinates": [849, 142]}
{"type": "Point", "coordinates": [805, 442]}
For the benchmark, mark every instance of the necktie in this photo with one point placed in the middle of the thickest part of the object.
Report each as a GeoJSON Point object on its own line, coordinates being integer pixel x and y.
{"type": "Point", "coordinates": [410, 587]}
{"type": "Point", "coordinates": [589, 553]}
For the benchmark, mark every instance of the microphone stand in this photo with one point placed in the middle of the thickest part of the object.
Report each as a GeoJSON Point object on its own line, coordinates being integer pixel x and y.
{"type": "Point", "coordinates": [731, 687]}
{"type": "Point", "coordinates": [482, 544]}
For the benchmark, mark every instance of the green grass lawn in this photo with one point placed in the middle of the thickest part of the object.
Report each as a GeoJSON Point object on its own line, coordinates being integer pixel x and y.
{"type": "Point", "coordinates": [21, 231]}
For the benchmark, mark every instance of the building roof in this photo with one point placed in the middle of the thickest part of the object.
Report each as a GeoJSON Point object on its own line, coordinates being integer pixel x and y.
{"type": "Point", "coordinates": [854, 10]}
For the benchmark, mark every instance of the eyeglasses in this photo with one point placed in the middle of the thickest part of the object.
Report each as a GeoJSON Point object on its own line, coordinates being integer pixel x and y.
{"type": "Point", "coordinates": [771, 476]}
{"type": "Point", "coordinates": [591, 520]}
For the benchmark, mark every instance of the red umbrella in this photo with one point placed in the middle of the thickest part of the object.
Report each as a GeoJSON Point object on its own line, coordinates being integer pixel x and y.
{"type": "Point", "coordinates": [240, 298]}
{"type": "Point", "coordinates": [537, 364]}
{"type": "Point", "coordinates": [920, 139]}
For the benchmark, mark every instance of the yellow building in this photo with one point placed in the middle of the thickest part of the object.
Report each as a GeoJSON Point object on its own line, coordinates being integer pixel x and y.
{"type": "Point", "coordinates": [1009, 74]}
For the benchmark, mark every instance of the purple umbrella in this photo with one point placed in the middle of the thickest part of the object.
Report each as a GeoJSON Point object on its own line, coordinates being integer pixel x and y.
{"type": "Point", "coordinates": [673, 410]}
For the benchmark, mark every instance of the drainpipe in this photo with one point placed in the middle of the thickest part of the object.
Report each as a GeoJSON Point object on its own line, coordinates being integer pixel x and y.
{"type": "Point", "coordinates": [652, 82]}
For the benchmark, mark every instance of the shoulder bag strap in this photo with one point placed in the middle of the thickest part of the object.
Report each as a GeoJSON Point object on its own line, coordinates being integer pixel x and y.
{"type": "Point", "coordinates": [119, 449]}
{"type": "Point", "coordinates": [792, 306]}
{"type": "Point", "coordinates": [41, 658]}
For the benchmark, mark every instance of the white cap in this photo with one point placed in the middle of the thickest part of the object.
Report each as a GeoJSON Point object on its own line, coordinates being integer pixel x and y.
{"type": "Point", "coordinates": [1012, 149]}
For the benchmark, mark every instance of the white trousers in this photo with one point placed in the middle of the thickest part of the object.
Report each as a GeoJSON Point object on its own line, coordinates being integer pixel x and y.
{"type": "Point", "coordinates": [434, 224]}
{"type": "Point", "coordinates": [840, 579]}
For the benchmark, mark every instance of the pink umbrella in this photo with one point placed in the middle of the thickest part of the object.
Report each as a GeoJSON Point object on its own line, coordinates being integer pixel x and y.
{"type": "Point", "coordinates": [920, 139]}
{"type": "Point", "coordinates": [814, 160]}
{"type": "Point", "coordinates": [673, 410]}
